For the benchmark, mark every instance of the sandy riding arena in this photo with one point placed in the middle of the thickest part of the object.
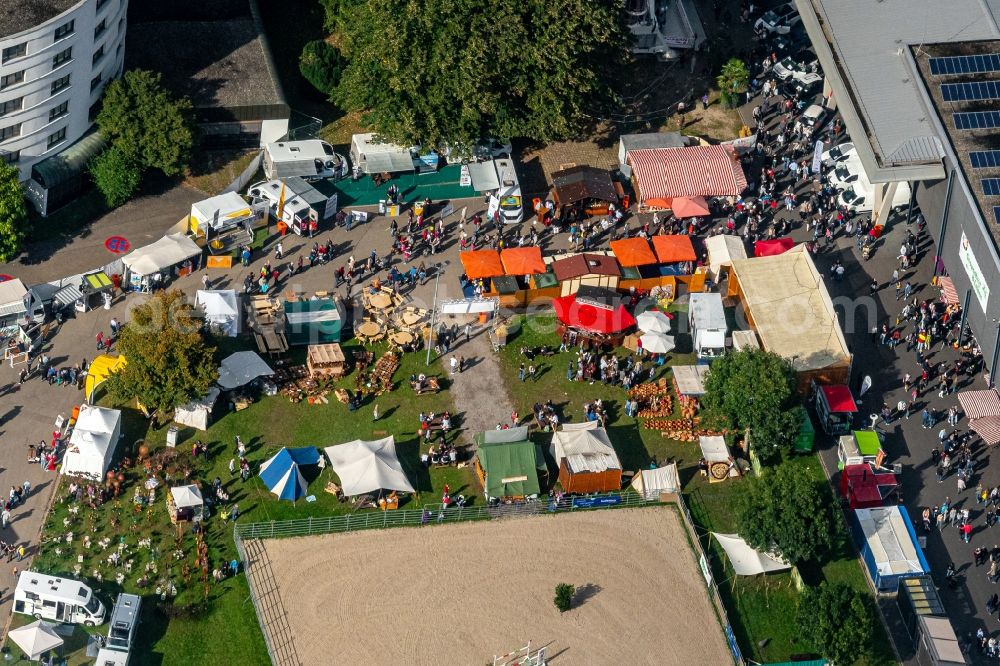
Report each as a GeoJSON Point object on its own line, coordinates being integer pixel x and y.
{"type": "Point", "coordinates": [458, 594]}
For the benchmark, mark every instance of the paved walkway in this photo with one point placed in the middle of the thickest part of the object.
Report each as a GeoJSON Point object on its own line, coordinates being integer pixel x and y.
{"type": "Point", "coordinates": [479, 391]}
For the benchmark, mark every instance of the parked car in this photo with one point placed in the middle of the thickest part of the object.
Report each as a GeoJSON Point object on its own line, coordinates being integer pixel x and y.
{"type": "Point", "coordinates": [799, 90]}
{"type": "Point", "coordinates": [860, 197]}
{"type": "Point", "coordinates": [814, 116]}
{"type": "Point", "coordinates": [484, 149]}
{"type": "Point", "coordinates": [794, 40]}
{"type": "Point", "coordinates": [790, 66]}
{"type": "Point", "coordinates": [846, 172]}
{"type": "Point", "coordinates": [838, 153]}
{"type": "Point", "coordinates": [778, 20]}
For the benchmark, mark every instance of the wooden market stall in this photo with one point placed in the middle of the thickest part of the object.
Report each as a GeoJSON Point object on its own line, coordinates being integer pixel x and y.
{"type": "Point", "coordinates": [587, 189]}
{"type": "Point", "coordinates": [326, 360]}
{"type": "Point", "coordinates": [587, 460]}
{"type": "Point", "coordinates": [185, 503]}
{"type": "Point", "coordinates": [590, 269]}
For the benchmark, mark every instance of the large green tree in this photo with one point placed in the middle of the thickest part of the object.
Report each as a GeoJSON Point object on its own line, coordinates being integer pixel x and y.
{"type": "Point", "coordinates": [838, 622]}
{"type": "Point", "coordinates": [755, 389]}
{"type": "Point", "coordinates": [116, 175]}
{"type": "Point", "coordinates": [788, 512]}
{"type": "Point", "coordinates": [732, 80]}
{"type": "Point", "coordinates": [168, 360]}
{"type": "Point", "coordinates": [143, 120]}
{"type": "Point", "coordinates": [458, 70]}
{"type": "Point", "coordinates": [13, 212]}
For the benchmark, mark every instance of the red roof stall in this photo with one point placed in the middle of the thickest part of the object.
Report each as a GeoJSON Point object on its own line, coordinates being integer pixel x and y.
{"type": "Point", "coordinates": [660, 174]}
{"type": "Point", "coordinates": [835, 407]}
{"type": "Point", "coordinates": [864, 486]}
{"type": "Point", "coordinates": [769, 248]}
{"type": "Point", "coordinates": [596, 313]}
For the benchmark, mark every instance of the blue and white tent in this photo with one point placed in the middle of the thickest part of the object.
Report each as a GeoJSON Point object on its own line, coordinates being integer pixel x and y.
{"type": "Point", "coordinates": [281, 474]}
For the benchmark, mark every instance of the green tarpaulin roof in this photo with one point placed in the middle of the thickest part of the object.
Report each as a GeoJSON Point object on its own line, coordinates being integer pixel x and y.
{"type": "Point", "coordinates": [69, 163]}
{"type": "Point", "coordinates": [509, 460]}
{"type": "Point", "coordinates": [868, 442]}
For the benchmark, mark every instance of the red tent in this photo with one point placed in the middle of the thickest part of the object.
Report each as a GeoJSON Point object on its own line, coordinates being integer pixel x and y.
{"type": "Point", "coordinates": [864, 486]}
{"type": "Point", "coordinates": [768, 248]}
{"type": "Point", "coordinates": [689, 206]}
{"type": "Point", "coordinates": [592, 317]}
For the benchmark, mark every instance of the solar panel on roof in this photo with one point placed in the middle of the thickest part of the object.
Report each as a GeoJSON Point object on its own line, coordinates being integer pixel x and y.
{"type": "Point", "coordinates": [977, 120]}
{"type": "Point", "coordinates": [991, 187]}
{"type": "Point", "coordinates": [977, 64]}
{"type": "Point", "coordinates": [996, 214]}
{"type": "Point", "coordinates": [985, 159]}
{"type": "Point", "coordinates": [970, 92]}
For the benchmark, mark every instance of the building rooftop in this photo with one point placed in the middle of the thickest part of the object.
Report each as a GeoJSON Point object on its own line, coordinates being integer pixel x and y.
{"type": "Point", "coordinates": [21, 15]}
{"type": "Point", "coordinates": [861, 45]}
{"type": "Point", "coordinates": [214, 63]}
{"type": "Point", "coordinates": [959, 80]}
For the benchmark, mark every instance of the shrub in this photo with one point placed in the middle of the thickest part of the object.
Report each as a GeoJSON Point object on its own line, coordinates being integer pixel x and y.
{"type": "Point", "coordinates": [564, 596]}
{"type": "Point", "coordinates": [321, 65]}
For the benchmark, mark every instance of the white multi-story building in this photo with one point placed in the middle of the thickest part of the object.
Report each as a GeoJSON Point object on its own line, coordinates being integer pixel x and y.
{"type": "Point", "coordinates": [56, 56]}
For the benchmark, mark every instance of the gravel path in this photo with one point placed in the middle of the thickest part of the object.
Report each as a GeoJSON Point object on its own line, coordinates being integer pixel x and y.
{"type": "Point", "coordinates": [479, 392]}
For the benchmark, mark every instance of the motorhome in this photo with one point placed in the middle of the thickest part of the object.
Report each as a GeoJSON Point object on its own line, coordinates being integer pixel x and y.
{"type": "Point", "coordinates": [707, 319]}
{"type": "Point", "coordinates": [498, 179]}
{"type": "Point", "coordinates": [303, 202]}
{"type": "Point", "coordinates": [312, 160]}
{"type": "Point", "coordinates": [373, 156]}
{"type": "Point", "coordinates": [63, 599]}
{"type": "Point", "coordinates": [121, 635]}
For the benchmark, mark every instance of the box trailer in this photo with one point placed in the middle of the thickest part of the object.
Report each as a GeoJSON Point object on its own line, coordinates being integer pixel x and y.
{"type": "Point", "coordinates": [888, 545]}
{"type": "Point", "coordinates": [303, 202]}
{"type": "Point", "coordinates": [63, 599]}
{"type": "Point", "coordinates": [220, 213]}
{"type": "Point", "coordinates": [312, 160]}
{"type": "Point", "coordinates": [707, 319]}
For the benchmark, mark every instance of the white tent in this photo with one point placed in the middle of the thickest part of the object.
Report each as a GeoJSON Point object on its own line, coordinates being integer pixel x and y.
{"type": "Point", "coordinates": [36, 639]}
{"type": "Point", "coordinates": [745, 560]}
{"type": "Point", "coordinates": [241, 368]}
{"type": "Point", "coordinates": [651, 482]}
{"type": "Point", "coordinates": [364, 466]}
{"type": "Point", "coordinates": [585, 446]}
{"type": "Point", "coordinates": [690, 379]}
{"type": "Point", "coordinates": [713, 448]}
{"type": "Point", "coordinates": [221, 308]}
{"type": "Point", "coordinates": [169, 251]}
{"type": "Point", "coordinates": [197, 413]}
{"type": "Point", "coordinates": [186, 496]}
{"type": "Point", "coordinates": [722, 250]}
{"type": "Point", "coordinates": [93, 442]}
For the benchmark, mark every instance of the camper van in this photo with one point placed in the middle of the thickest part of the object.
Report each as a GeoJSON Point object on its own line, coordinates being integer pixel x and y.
{"type": "Point", "coordinates": [121, 636]}
{"type": "Point", "coordinates": [311, 160]}
{"type": "Point", "coordinates": [707, 318]}
{"type": "Point", "coordinates": [62, 599]}
{"type": "Point", "coordinates": [498, 179]}
{"type": "Point", "coordinates": [303, 202]}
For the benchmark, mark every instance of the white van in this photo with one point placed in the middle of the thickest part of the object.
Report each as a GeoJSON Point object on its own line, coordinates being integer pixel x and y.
{"type": "Point", "coordinates": [859, 196]}
{"type": "Point", "coordinates": [707, 318]}
{"type": "Point", "coordinates": [64, 599]}
{"type": "Point", "coordinates": [121, 636]}
{"type": "Point", "coordinates": [498, 179]}
{"type": "Point", "coordinates": [311, 160]}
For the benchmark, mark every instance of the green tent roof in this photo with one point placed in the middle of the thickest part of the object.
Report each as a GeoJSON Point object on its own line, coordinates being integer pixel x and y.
{"type": "Point", "coordinates": [313, 322]}
{"type": "Point", "coordinates": [868, 442]}
{"type": "Point", "coordinates": [69, 163]}
{"type": "Point", "coordinates": [508, 460]}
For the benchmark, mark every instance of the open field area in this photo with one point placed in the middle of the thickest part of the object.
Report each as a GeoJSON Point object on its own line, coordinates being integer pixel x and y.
{"type": "Point", "coordinates": [640, 597]}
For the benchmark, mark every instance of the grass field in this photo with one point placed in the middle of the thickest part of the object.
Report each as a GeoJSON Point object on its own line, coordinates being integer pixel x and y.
{"type": "Point", "coordinates": [761, 609]}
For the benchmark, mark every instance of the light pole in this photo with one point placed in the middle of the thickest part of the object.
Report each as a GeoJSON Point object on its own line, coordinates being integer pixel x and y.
{"type": "Point", "coordinates": [438, 269]}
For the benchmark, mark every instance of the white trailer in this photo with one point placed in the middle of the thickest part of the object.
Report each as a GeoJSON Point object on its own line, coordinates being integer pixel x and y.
{"type": "Point", "coordinates": [219, 213]}
{"type": "Point", "coordinates": [498, 178]}
{"type": "Point", "coordinates": [63, 599]}
{"type": "Point", "coordinates": [312, 160]}
{"type": "Point", "coordinates": [707, 318]}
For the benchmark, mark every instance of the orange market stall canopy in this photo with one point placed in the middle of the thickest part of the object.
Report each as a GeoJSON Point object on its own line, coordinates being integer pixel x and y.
{"type": "Point", "coordinates": [660, 174]}
{"type": "Point", "coordinates": [522, 261]}
{"type": "Point", "coordinates": [481, 264]}
{"type": "Point", "coordinates": [674, 248]}
{"type": "Point", "coordinates": [632, 252]}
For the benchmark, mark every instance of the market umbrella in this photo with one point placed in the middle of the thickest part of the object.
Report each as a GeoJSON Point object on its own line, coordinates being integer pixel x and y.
{"type": "Point", "coordinates": [657, 343]}
{"type": "Point", "coordinates": [689, 206]}
{"type": "Point", "coordinates": [653, 321]}
{"type": "Point", "coordinates": [36, 639]}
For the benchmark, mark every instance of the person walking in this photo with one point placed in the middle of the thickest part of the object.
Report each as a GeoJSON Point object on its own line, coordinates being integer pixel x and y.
{"type": "Point", "coordinates": [468, 332]}
{"type": "Point", "coordinates": [100, 340]}
{"type": "Point", "coordinates": [454, 365]}
{"type": "Point", "coordinates": [279, 251]}
{"type": "Point", "coordinates": [25, 489]}
{"type": "Point", "coordinates": [375, 413]}
{"type": "Point", "coordinates": [521, 372]}
{"type": "Point", "coordinates": [4, 518]}
{"type": "Point", "coordinates": [205, 281]}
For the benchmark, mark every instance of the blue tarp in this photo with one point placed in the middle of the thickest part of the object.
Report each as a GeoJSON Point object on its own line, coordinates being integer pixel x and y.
{"type": "Point", "coordinates": [281, 472]}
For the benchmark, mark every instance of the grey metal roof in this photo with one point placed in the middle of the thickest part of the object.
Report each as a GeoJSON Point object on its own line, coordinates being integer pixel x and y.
{"type": "Point", "coordinates": [69, 163]}
{"type": "Point", "coordinates": [861, 45]}
{"type": "Point", "coordinates": [21, 15]}
{"type": "Point", "coordinates": [653, 140]}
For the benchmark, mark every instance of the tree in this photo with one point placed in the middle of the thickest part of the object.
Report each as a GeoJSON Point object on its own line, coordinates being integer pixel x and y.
{"type": "Point", "coordinates": [837, 621]}
{"type": "Point", "coordinates": [13, 212]}
{"type": "Point", "coordinates": [733, 80]}
{"type": "Point", "coordinates": [116, 175]}
{"type": "Point", "coordinates": [755, 389]}
{"type": "Point", "coordinates": [168, 361]}
{"type": "Point", "coordinates": [321, 65]}
{"type": "Point", "coordinates": [564, 596]}
{"type": "Point", "coordinates": [787, 512]}
{"type": "Point", "coordinates": [336, 13]}
{"type": "Point", "coordinates": [143, 120]}
{"type": "Point", "coordinates": [458, 71]}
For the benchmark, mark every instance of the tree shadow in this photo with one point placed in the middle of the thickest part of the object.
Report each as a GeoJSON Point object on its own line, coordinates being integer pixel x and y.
{"type": "Point", "coordinates": [585, 592]}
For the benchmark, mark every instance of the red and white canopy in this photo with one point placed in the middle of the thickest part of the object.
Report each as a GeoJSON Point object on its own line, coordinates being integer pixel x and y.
{"type": "Point", "coordinates": [988, 428]}
{"type": "Point", "coordinates": [979, 404]}
{"type": "Point", "coordinates": [707, 171]}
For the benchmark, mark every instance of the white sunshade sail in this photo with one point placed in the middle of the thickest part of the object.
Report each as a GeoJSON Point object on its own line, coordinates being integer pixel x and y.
{"type": "Point", "coordinates": [242, 368]}
{"type": "Point", "coordinates": [367, 466]}
{"type": "Point", "coordinates": [36, 639]}
{"type": "Point", "coordinates": [652, 321]}
{"type": "Point", "coordinates": [745, 560]}
{"type": "Point", "coordinates": [656, 343]}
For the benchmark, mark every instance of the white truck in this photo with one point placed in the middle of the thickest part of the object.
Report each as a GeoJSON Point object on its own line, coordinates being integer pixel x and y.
{"type": "Point", "coordinates": [63, 599]}
{"type": "Point", "coordinates": [498, 179]}
{"type": "Point", "coordinates": [124, 621]}
{"type": "Point", "coordinates": [707, 319]}
{"type": "Point", "coordinates": [311, 159]}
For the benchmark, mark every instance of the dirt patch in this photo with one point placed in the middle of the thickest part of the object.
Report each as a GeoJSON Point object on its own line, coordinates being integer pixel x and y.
{"type": "Point", "coordinates": [214, 170]}
{"type": "Point", "coordinates": [461, 593]}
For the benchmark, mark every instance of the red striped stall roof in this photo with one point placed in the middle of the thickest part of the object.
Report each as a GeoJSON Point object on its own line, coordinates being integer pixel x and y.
{"type": "Point", "coordinates": [948, 292]}
{"type": "Point", "coordinates": [709, 171]}
{"type": "Point", "coordinates": [979, 404]}
{"type": "Point", "coordinates": [988, 428]}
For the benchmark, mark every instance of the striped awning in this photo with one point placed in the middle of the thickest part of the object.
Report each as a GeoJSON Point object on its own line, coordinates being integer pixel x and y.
{"type": "Point", "coordinates": [988, 428]}
{"type": "Point", "coordinates": [948, 293]}
{"type": "Point", "coordinates": [709, 171]}
{"type": "Point", "coordinates": [979, 404]}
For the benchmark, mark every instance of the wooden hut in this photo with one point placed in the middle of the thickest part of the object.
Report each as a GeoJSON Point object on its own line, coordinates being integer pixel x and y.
{"type": "Point", "coordinates": [587, 461]}
{"type": "Point", "coordinates": [326, 361]}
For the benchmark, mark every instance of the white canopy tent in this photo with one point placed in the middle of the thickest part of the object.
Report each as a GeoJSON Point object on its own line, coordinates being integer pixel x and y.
{"type": "Point", "coordinates": [169, 251]}
{"type": "Point", "coordinates": [221, 308]}
{"type": "Point", "coordinates": [468, 305]}
{"type": "Point", "coordinates": [690, 379]}
{"type": "Point", "coordinates": [241, 368]}
{"type": "Point", "coordinates": [722, 250]}
{"type": "Point", "coordinates": [585, 446]}
{"type": "Point", "coordinates": [367, 466]}
{"type": "Point", "coordinates": [650, 483]}
{"type": "Point", "coordinates": [713, 448]}
{"type": "Point", "coordinates": [197, 413]}
{"type": "Point", "coordinates": [745, 560]}
{"type": "Point", "coordinates": [187, 496]}
{"type": "Point", "coordinates": [36, 639]}
{"type": "Point", "coordinates": [93, 442]}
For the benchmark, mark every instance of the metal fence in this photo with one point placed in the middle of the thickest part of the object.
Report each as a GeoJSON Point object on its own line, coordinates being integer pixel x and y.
{"type": "Point", "coordinates": [244, 178]}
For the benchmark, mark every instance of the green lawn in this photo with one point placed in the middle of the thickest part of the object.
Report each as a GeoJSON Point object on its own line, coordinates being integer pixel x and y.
{"type": "Point", "coordinates": [189, 629]}
{"type": "Point", "coordinates": [761, 609]}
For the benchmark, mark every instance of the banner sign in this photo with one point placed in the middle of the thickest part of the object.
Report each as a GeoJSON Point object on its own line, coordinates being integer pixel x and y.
{"type": "Point", "coordinates": [817, 165]}
{"type": "Point", "coordinates": [592, 502]}
{"type": "Point", "coordinates": [331, 207]}
{"type": "Point", "coordinates": [979, 284]}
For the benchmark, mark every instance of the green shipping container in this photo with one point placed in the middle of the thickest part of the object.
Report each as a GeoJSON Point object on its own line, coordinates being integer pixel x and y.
{"type": "Point", "coordinates": [806, 440]}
